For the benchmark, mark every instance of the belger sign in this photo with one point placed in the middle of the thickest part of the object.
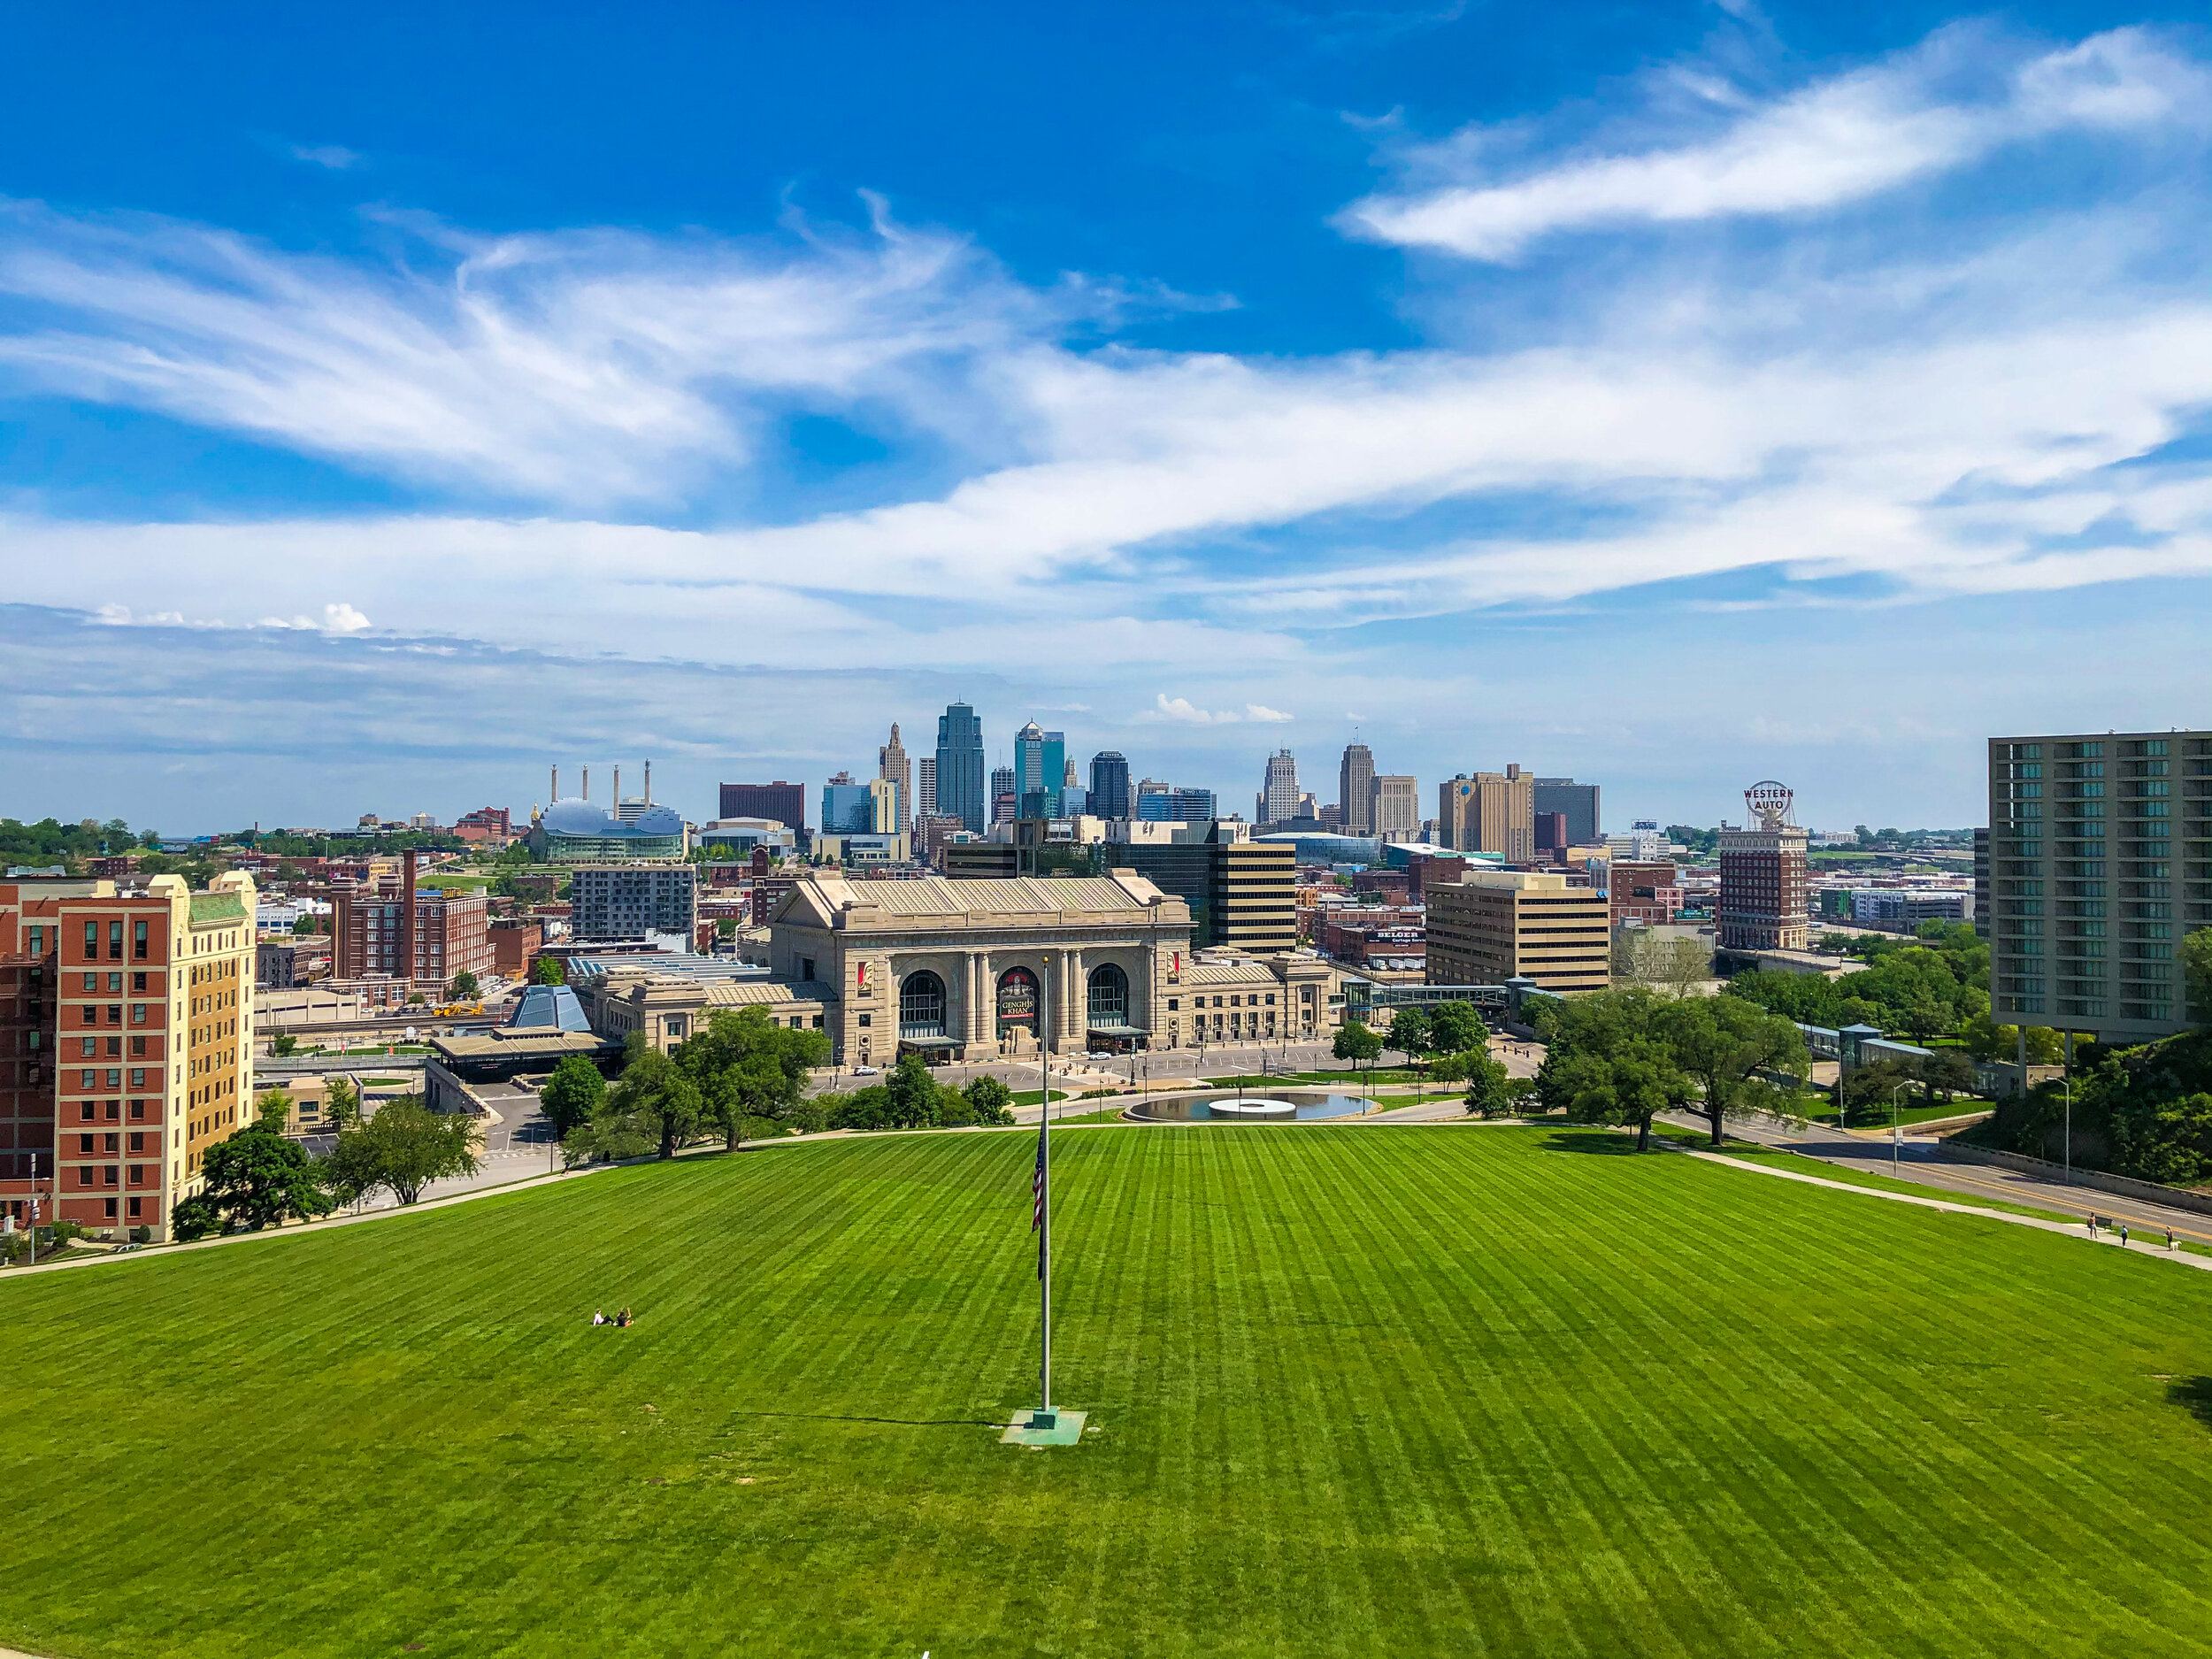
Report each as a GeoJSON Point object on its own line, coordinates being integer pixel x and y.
{"type": "Point", "coordinates": [1770, 801]}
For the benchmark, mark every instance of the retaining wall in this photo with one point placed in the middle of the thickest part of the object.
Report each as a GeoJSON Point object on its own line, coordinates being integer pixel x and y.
{"type": "Point", "coordinates": [2122, 1185]}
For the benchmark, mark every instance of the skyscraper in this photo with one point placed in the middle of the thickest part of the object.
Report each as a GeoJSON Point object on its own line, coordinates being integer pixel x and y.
{"type": "Point", "coordinates": [783, 802]}
{"type": "Point", "coordinates": [924, 788]}
{"type": "Point", "coordinates": [1578, 802]}
{"type": "Point", "coordinates": [1003, 800]}
{"type": "Point", "coordinates": [2097, 855]}
{"type": "Point", "coordinates": [1040, 769]}
{"type": "Point", "coordinates": [1110, 785]}
{"type": "Point", "coordinates": [1278, 791]}
{"type": "Point", "coordinates": [892, 767]}
{"type": "Point", "coordinates": [1489, 812]}
{"type": "Point", "coordinates": [1356, 789]}
{"type": "Point", "coordinates": [1397, 807]}
{"type": "Point", "coordinates": [960, 766]}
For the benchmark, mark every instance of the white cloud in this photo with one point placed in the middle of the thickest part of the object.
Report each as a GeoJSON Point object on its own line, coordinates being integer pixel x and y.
{"type": "Point", "coordinates": [1836, 142]}
{"type": "Point", "coordinates": [1261, 713]}
{"type": "Point", "coordinates": [337, 157]}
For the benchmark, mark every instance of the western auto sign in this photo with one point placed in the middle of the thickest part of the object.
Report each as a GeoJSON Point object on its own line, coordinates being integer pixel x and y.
{"type": "Point", "coordinates": [1768, 800]}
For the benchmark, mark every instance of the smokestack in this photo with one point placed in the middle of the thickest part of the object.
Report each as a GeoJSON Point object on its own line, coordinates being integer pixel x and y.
{"type": "Point", "coordinates": [556, 786]}
{"type": "Point", "coordinates": [587, 783]}
{"type": "Point", "coordinates": [617, 788]}
{"type": "Point", "coordinates": [649, 783]}
{"type": "Point", "coordinates": [407, 915]}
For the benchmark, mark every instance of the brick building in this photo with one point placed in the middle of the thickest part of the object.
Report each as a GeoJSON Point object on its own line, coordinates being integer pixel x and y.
{"type": "Point", "coordinates": [1649, 894]}
{"type": "Point", "coordinates": [395, 931]}
{"type": "Point", "coordinates": [125, 1044]}
{"type": "Point", "coordinates": [1492, 925]}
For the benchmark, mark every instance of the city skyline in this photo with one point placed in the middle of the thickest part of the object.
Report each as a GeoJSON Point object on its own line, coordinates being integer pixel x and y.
{"type": "Point", "coordinates": [1579, 376]}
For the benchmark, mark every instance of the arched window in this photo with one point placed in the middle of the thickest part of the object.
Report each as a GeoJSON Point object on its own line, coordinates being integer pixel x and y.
{"type": "Point", "coordinates": [1017, 1002]}
{"type": "Point", "coordinates": [1109, 996]}
{"type": "Point", "coordinates": [922, 1005]}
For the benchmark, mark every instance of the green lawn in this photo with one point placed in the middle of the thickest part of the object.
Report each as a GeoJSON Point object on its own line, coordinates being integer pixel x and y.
{"type": "Point", "coordinates": [1364, 1391]}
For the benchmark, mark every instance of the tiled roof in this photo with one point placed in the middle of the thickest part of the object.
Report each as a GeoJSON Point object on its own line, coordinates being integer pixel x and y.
{"type": "Point", "coordinates": [1001, 895]}
{"type": "Point", "coordinates": [766, 992]}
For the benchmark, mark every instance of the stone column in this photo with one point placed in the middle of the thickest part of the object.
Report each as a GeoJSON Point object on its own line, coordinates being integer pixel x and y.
{"type": "Point", "coordinates": [1079, 1000]}
{"type": "Point", "coordinates": [978, 1014]}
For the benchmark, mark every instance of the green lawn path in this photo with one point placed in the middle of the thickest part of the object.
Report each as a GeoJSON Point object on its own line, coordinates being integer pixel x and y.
{"type": "Point", "coordinates": [1363, 1391]}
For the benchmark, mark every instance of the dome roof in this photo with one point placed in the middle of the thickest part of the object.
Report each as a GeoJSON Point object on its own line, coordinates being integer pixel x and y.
{"type": "Point", "coordinates": [585, 818]}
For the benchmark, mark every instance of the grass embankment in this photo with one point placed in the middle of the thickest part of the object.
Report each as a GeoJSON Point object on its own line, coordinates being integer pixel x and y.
{"type": "Point", "coordinates": [1511, 1393]}
{"type": "Point", "coordinates": [1030, 1097]}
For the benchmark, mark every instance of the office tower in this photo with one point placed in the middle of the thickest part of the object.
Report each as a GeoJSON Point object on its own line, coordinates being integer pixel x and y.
{"type": "Point", "coordinates": [1110, 785]}
{"type": "Point", "coordinates": [1040, 769]}
{"type": "Point", "coordinates": [1356, 789]}
{"type": "Point", "coordinates": [1576, 801]}
{"type": "Point", "coordinates": [1762, 893]}
{"type": "Point", "coordinates": [1194, 806]}
{"type": "Point", "coordinates": [1279, 790]}
{"type": "Point", "coordinates": [1492, 925]}
{"type": "Point", "coordinates": [1070, 778]}
{"type": "Point", "coordinates": [846, 807]}
{"type": "Point", "coordinates": [2098, 869]}
{"type": "Point", "coordinates": [1240, 893]}
{"type": "Point", "coordinates": [781, 802]}
{"type": "Point", "coordinates": [891, 766]}
{"type": "Point", "coordinates": [960, 766]}
{"type": "Point", "coordinates": [1397, 808]}
{"type": "Point", "coordinates": [1489, 812]}
{"type": "Point", "coordinates": [884, 817]}
{"type": "Point", "coordinates": [925, 788]}
{"type": "Point", "coordinates": [1003, 800]}
{"type": "Point", "coordinates": [1551, 832]}
{"type": "Point", "coordinates": [1153, 801]}
{"type": "Point", "coordinates": [127, 1024]}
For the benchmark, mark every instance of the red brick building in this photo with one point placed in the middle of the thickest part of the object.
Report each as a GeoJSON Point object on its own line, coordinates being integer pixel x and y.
{"type": "Point", "coordinates": [1646, 892]}
{"type": "Point", "coordinates": [125, 1044]}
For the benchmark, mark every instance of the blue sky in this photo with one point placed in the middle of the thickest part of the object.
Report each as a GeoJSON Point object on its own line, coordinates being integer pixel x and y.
{"type": "Point", "coordinates": [1669, 395]}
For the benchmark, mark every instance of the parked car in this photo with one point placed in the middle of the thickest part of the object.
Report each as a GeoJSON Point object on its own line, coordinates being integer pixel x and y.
{"type": "Point", "coordinates": [866, 1071]}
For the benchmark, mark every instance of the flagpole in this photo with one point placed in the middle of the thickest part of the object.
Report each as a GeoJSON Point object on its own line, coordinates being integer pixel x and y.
{"type": "Point", "coordinates": [1044, 1208]}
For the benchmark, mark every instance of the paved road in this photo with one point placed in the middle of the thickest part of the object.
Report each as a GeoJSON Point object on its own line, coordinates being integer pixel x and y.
{"type": "Point", "coordinates": [1920, 1162]}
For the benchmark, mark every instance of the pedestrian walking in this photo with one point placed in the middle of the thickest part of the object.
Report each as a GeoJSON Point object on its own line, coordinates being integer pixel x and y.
{"type": "Point", "coordinates": [2169, 1238]}
{"type": "Point", "coordinates": [2123, 1235]}
{"type": "Point", "coordinates": [2092, 1224]}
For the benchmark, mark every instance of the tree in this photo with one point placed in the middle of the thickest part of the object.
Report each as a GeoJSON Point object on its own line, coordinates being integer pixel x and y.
{"type": "Point", "coordinates": [1456, 1028]}
{"type": "Point", "coordinates": [283, 1045]}
{"type": "Point", "coordinates": [258, 1178]}
{"type": "Point", "coordinates": [571, 1094]}
{"type": "Point", "coordinates": [1355, 1043]}
{"type": "Point", "coordinates": [1486, 1084]}
{"type": "Point", "coordinates": [404, 1148]}
{"type": "Point", "coordinates": [991, 1101]}
{"type": "Point", "coordinates": [548, 970]}
{"type": "Point", "coordinates": [748, 1068]}
{"type": "Point", "coordinates": [1605, 1062]}
{"type": "Point", "coordinates": [1408, 1033]}
{"type": "Point", "coordinates": [655, 1094]}
{"type": "Point", "coordinates": [342, 1104]}
{"type": "Point", "coordinates": [464, 988]}
{"type": "Point", "coordinates": [1721, 1041]}
{"type": "Point", "coordinates": [2196, 972]}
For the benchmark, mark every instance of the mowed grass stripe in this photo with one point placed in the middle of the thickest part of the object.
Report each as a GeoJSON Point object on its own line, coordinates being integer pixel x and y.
{"type": "Point", "coordinates": [1364, 1390]}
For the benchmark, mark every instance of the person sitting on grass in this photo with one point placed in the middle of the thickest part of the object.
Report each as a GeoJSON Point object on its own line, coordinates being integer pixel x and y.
{"type": "Point", "coordinates": [623, 1319]}
{"type": "Point", "coordinates": [598, 1316]}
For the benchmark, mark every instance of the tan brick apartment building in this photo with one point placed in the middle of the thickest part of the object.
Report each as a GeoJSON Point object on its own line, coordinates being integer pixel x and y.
{"type": "Point", "coordinates": [125, 1043]}
{"type": "Point", "coordinates": [1492, 925]}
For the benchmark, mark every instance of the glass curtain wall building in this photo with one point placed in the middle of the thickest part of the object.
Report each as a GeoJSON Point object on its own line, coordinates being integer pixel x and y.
{"type": "Point", "coordinates": [960, 767]}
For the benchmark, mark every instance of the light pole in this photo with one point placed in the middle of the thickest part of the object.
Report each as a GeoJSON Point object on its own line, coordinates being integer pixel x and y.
{"type": "Point", "coordinates": [1894, 1143]}
{"type": "Point", "coordinates": [2067, 1083]}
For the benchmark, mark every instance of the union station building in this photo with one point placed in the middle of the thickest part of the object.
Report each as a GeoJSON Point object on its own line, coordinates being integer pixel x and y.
{"type": "Point", "coordinates": [990, 968]}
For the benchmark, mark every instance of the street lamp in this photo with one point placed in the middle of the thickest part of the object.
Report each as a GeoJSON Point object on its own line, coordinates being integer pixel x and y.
{"type": "Point", "coordinates": [2067, 1083]}
{"type": "Point", "coordinates": [1894, 1142]}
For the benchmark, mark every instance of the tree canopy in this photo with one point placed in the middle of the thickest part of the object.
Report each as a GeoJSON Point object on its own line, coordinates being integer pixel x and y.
{"type": "Point", "coordinates": [403, 1148]}
{"type": "Point", "coordinates": [749, 1070]}
{"type": "Point", "coordinates": [255, 1179]}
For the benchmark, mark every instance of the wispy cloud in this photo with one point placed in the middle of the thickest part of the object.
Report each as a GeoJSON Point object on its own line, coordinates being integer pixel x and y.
{"type": "Point", "coordinates": [1837, 141]}
{"type": "Point", "coordinates": [337, 157]}
{"type": "Point", "coordinates": [1182, 711]}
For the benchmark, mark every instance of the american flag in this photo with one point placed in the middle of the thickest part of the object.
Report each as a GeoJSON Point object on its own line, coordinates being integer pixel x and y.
{"type": "Point", "coordinates": [1037, 1184]}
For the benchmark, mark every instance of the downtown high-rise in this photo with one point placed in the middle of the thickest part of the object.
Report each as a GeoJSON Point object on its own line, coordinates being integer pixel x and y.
{"type": "Point", "coordinates": [960, 767]}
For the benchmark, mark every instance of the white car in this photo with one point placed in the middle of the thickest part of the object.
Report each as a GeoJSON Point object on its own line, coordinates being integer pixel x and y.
{"type": "Point", "coordinates": [866, 1071]}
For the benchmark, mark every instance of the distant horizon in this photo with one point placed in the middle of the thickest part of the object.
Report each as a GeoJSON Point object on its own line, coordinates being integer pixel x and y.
{"type": "Point", "coordinates": [1668, 398]}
